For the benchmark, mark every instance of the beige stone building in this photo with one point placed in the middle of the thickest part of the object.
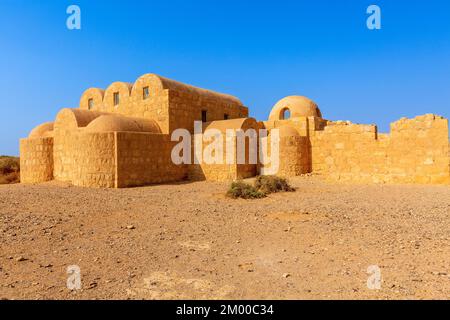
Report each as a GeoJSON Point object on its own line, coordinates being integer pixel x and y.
{"type": "Point", "coordinates": [121, 137]}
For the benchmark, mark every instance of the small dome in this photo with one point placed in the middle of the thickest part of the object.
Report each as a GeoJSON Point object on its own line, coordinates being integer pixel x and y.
{"type": "Point", "coordinates": [111, 123]}
{"type": "Point", "coordinates": [288, 131]}
{"type": "Point", "coordinates": [236, 124]}
{"type": "Point", "coordinates": [296, 106]}
{"type": "Point", "coordinates": [43, 130]}
{"type": "Point", "coordinates": [71, 119]}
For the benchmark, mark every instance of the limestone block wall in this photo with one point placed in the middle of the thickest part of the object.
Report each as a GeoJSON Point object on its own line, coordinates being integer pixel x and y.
{"type": "Point", "coordinates": [419, 150]}
{"type": "Point", "coordinates": [344, 151]}
{"type": "Point", "coordinates": [131, 102]}
{"type": "Point", "coordinates": [88, 159]}
{"type": "Point", "coordinates": [145, 158]}
{"type": "Point", "coordinates": [295, 156]}
{"type": "Point", "coordinates": [295, 146]}
{"type": "Point", "coordinates": [219, 168]}
{"type": "Point", "coordinates": [185, 107]}
{"type": "Point", "coordinates": [93, 156]}
{"type": "Point", "coordinates": [212, 172]}
{"type": "Point", "coordinates": [170, 103]}
{"type": "Point", "coordinates": [223, 171]}
{"type": "Point", "coordinates": [68, 121]}
{"type": "Point", "coordinates": [36, 160]}
{"type": "Point", "coordinates": [305, 126]}
{"type": "Point", "coordinates": [416, 151]}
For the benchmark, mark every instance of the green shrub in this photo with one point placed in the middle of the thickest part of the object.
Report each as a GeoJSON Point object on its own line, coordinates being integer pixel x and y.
{"type": "Point", "coordinates": [244, 190]}
{"type": "Point", "coordinates": [272, 184]}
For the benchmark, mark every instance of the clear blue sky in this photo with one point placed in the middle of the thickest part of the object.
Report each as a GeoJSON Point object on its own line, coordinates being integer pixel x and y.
{"type": "Point", "coordinates": [259, 51]}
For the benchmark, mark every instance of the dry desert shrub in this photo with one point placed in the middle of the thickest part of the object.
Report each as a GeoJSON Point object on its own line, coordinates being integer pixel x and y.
{"type": "Point", "coordinates": [263, 186]}
{"type": "Point", "coordinates": [244, 190]}
{"type": "Point", "coordinates": [272, 184]}
{"type": "Point", "coordinates": [9, 170]}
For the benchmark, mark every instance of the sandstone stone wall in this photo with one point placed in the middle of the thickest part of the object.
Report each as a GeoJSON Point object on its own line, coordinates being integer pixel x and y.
{"type": "Point", "coordinates": [185, 107]}
{"type": "Point", "coordinates": [36, 160]}
{"type": "Point", "coordinates": [68, 122]}
{"type": "Point", "coordinates": [416, 151]}
{"type": "Point", "coordinates": [86, 159]}
{"type": "Point", "coordinates": [114, 159]}
{"type": "Point", "coordinates": [305, 126]}
{"type": "Point", "coordinates": [419, 150]}
{"type": "Point", "coordinates": [212, 172]}
{"type": "Point", "coordinates": [145, 158]}
{"type": "Point", "coordinates": [170, 103]}
{"type": "Point", "coordinates": [295, 156]}
{"type": "Point", "coordinates": [294, 146]}
{"type": "Point", "coordinates": [92, 146]}
{"type": "Point", "coordinates": [93, 159]}
{"type": "Point", "coordinates": [223, 171]}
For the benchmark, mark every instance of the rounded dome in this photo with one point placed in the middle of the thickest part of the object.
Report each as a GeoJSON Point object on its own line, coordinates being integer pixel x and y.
{"type": "Point", "coordinates": [111, 123]}
{"type": "Point", "coordinates": [70, 119]}
{"type": "Point", "coordinates": [297, 106]}
{"type": "Point", "coordinates": [287, 131]}
{"type": "Point", "coordinates": [236, 124]}
{"type": "Point", "coordinates": [43, 130]}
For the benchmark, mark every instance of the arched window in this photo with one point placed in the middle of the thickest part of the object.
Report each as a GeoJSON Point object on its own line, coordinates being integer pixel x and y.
{"type": "Point", "coordinates": [90, 104]}
{"type": "Point", "coordinates": [285, 114]}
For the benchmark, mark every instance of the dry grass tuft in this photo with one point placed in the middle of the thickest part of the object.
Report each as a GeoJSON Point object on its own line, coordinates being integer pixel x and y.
{"type": "Point", "coordinates": [263, 186]}
{"type": "Point", "coordinates": [272, 184]}
{"type": "Point", "coordinates": [244, 190]}
{"type": "Point", "coordinates": [9, 170]}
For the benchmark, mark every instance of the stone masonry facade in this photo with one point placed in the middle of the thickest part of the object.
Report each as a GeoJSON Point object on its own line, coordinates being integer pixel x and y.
{"type": "Point", "coordinates": [121, 137]}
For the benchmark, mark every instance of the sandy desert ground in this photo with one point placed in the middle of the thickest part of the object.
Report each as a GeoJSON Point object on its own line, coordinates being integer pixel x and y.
{"type": "Point", "coordinates": [187, 241]}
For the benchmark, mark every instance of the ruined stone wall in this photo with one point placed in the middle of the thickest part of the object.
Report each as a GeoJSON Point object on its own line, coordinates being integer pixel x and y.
{"type": "Point", "coordinates": [145, 158]}
{"type": "Point", "coordinates": [416, 151]}
{"type": "Point", "coordinates": [419, 150]}
{"type": "Point", "coordinates": [36, 160]}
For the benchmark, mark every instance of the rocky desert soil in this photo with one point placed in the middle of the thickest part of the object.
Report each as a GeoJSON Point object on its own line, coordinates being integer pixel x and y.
{"type": "Point", "coordinates": [187, 241]}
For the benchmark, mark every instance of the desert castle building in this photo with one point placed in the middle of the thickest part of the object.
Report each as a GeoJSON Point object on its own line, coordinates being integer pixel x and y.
{"type": "Point", "coordinates": [121, 137]}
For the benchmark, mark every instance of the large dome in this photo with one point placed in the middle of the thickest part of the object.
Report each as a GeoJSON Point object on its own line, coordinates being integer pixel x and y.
{"type": "Point", "coordinates": [294, 107]}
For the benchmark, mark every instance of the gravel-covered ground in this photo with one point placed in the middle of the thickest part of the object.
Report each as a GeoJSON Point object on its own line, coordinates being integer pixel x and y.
{"type": "Point", "coordinates": [189, 241]}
